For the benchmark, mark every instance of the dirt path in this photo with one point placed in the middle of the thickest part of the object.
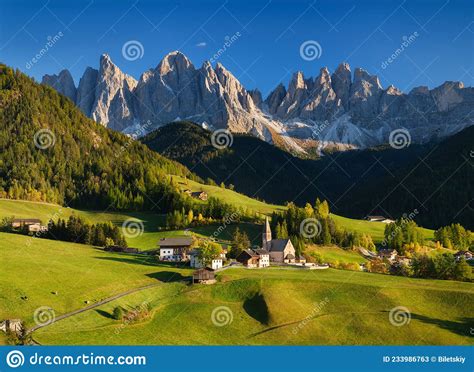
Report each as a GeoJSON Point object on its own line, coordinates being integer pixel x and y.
{"type": "Point", "coordinates": [93, 306]}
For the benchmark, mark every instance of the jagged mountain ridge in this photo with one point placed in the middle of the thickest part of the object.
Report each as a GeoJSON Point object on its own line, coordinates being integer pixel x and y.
{"type": "Point", "coordinates": [335, 111]}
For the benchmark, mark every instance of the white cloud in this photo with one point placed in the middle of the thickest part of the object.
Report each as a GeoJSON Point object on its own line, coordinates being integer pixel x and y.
{"type": "Point", "coordinates": [202, 44]}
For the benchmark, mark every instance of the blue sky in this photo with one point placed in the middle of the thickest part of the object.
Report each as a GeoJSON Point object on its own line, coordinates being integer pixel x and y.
{"type": "Point", "coordinates": [267, 52]}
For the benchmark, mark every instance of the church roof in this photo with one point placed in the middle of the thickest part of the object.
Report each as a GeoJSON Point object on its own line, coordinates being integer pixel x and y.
{"type": "Point", "coordinates": [278, 245]}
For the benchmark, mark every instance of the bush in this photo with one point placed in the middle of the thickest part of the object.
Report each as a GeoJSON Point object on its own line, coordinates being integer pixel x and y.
{"type": "Point", "coordinates": [118, 313]}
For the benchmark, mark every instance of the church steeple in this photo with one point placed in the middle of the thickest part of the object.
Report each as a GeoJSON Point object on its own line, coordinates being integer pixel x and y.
{"type": "Point", "coordinates": [266, 235]}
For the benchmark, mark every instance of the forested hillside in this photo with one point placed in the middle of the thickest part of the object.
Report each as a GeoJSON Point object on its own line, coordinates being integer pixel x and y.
{"type": "Point", "coordinates": [49, 151]}
{"type": "Point", "coordinates": [355, 183]}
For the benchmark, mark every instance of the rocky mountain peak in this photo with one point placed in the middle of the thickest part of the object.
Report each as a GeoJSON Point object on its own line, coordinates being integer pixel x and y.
{"type": "Point", "coordinates": [324, 78]}
{"type": "Point", "coordinates": [63, 83]}
{"type": "Point", "coordinates": [174, 62]}
{"type": "Point", "coordinates": [359, 111]}
{"type": "Point", "coordinates": [341, 82]}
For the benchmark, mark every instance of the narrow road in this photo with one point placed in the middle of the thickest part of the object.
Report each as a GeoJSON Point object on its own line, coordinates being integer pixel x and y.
{"type": "Point", "coordinates": [93, 306]}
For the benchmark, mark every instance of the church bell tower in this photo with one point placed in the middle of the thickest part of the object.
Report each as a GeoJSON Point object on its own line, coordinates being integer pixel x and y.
{"type": "Point", "coordinates": [266, 235]}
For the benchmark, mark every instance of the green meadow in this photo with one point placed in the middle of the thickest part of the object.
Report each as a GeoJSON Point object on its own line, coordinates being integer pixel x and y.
{"type": "Point", "coordinates": [270, 306]}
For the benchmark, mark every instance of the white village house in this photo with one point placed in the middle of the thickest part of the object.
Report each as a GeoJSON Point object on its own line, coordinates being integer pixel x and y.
{"type": "Point", "coordinates": [174, 249]}
{"type": "Point", "coordinates": [379, 219]}
{"type": "Point", "coordinates": [196, 263]}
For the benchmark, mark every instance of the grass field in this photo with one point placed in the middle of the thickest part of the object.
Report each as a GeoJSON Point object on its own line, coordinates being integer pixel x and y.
{"type": "Point", "coordinates": [332, 254]}
{"type": "Point", "coordinates": [151, 222]}
{"type": "Point", "coordinates": [374, 229]}
{"type": "Point", "coordinates": [270, 306]}
{"type": "Point", "coordinates": [229, 196]}
{"type": "Point", "coordinates": [36, 268]}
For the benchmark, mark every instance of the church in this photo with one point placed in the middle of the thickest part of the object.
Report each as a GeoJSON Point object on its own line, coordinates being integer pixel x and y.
{"type": "Point", "coordinates": [280, 250]}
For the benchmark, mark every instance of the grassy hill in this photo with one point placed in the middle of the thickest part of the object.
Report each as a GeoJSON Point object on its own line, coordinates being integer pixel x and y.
{"type": "Point", "coordinates": [271, 306]}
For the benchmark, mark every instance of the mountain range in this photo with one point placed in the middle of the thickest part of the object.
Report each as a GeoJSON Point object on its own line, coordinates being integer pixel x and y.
{"type": "Point", "coordinates": [337, 111]}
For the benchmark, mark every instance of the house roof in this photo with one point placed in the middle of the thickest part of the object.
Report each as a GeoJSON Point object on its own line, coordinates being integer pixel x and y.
{"type": "Point", "coordinates": [248, 252]}
{"type": "Point", "coordinates": [376, 217]}
{"type": "Point", "coordinates": [26, 220]}
{"type": "Point", "coordinates": [175, 242]}
{"type": "Point", "coordinates": [198, 193]}
{"type": "Point", "coordinates": [290, 256]}
{"type": "Point", "coordinates": [261, 251]}
{"type": "Point", "coordinates": [278, 245]}
{"type": "Point", "coordinates": [387, 251]}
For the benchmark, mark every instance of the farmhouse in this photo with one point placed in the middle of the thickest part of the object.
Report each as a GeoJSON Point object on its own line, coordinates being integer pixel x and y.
{"type": "Point", "coordinates": [281, 250]}
{"type": "Point", "coordinates": [204, 276]}
{"type": "Point", "coordinates": [32, 224]}
{"type": "Point", "coordinates": [388, 254]}
{"type": "Point", "coordinates": [199, 195]}
{"type": "Point", "coordinates": [11, 325]}
{"type": "Point", "coordinates": [195, 262]}
{"type": "Point", "coordinates": [254, 258]}
{"type": "Point", "coordinates": [466, 254]}
{"type": "Point", "coordinates": [174, 249]}
{"type": "Point", "coordinates": [379, 219]}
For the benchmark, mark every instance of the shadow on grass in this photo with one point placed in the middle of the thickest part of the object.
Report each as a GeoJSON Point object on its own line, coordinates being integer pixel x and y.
{"type": "Point", "coordinates": [168, 276]}
{"type": "Point", "coordinates": [257, 308]}
{"type": "Point", "coordinates": [462, 327]}
{"type": "Point", "coordinates": [138, 260]}
{"type": "Point", "coordinates": [104, 314]}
